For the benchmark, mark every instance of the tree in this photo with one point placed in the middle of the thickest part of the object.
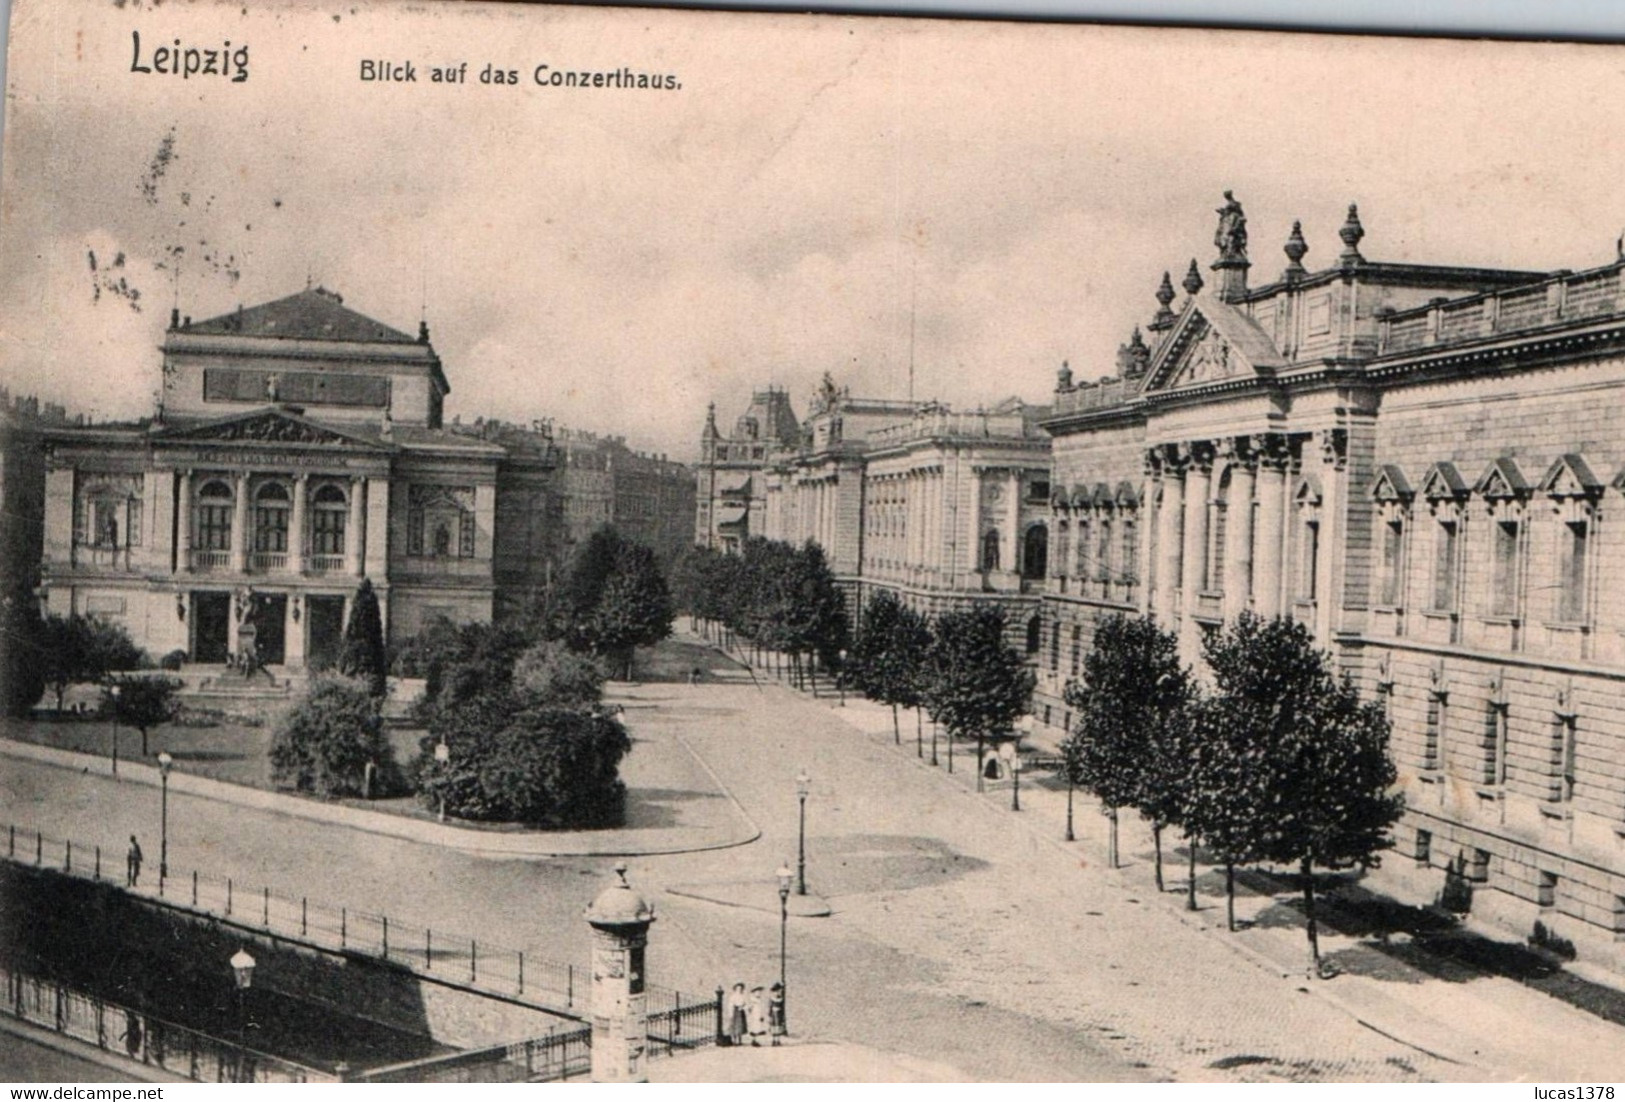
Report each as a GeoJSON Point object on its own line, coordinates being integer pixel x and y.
{"type": "Point", "coordinates": [21, 680]}
{"type": "Point", "coordinates": [978, 686]}
{"type": "Point", "coordinates": [1132, 708]}
{"type": "Point", "coordinates": [814, 614]}
{"type": "Point", "coordinates": [1323, 778]}
{"type": "Point", "coordinates": [891, 654]}
{"type": "Point", "coordinates": [142, 702]}
{"type": "Point", "coordinates": [83, 648]}
{"type": "Point", "coordinates": [326, 742]}
{"type": "Point", "coordinates": [552, 672]}
{"type": "Point", "coordinates": [614, 598]}
{"type": "Point", "coordinates": [363, 654]}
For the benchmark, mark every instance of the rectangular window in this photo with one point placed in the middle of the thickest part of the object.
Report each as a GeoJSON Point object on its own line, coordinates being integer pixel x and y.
{"type": "Point", "coordinates": [1478, 870]}
{"type": "Point", "coordinates": [1504, 569]}
{"type": "Point", "coordinates": [271, 530]}
{"type": "Point", "coordinates": [214, 528]}
{"type": "Point", "coordinates": [1308, 573]}
{"type": "Point", "coordinates": [327, 532]}
{"type": "Point", "coordinates": [1082, 572]}
{"type": "Point", "coordinates": [1567, 738]}
{"type": "Point", "coordinates": [1215, 555]}
{"type": "Point", "coordinates": [1077, 647]}
{"type": "Point", "coordinates": [1432, 735]}
{"type": "Point", "coordinates": [1393, 543]}
{"type": "Point", "coordinates": [1131, 550]}
{"type": "Point", "coordinates": [1103, 553]}
{"type": "Point", "coordinates": [1546, 889]}
{"type": "Point", "coordinates": [1055, 647]}
{"type": "Point", "coordinates": [1572, 584]}
{"type": "Point", "coordinates": [1424, 846]}
{"type": "Point", "coordinates": [1444, 567]}
{"type": "Point", "coordinates": [1495, 744]}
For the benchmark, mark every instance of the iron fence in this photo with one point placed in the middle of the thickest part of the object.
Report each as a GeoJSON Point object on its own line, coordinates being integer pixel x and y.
{"type": "Point", "coordinates": [554, 1056]}
{"type": "Point", "coordinates": [143, 1038]}
{"type": "Point", "coordinates": [676, 1024]}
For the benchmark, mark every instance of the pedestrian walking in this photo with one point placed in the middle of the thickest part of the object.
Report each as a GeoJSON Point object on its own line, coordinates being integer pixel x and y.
{"type": "Point", "coordinates": [775, 1012]}
{"type": "Point", "coordinates": [757, 1016]}
{"type": "Point", "coordinates": [132, 863]}
{"type": "Point", "coordinates": [737, 1023]}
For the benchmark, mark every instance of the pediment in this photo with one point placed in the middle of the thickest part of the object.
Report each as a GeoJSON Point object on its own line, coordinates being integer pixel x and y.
{"type": "Point", "coordinates": [1392, 485]}
{"type": "Point", "coordinates": [270, 426]}
{"type": "Point", "coordinates": [1570, 476]}
{"type": "Point", "coordinates": [1502, 481]}
{"type": "Point", "coordinates": [1443, 482]}
{"type": "Point", "coordinates": [1212, 342]}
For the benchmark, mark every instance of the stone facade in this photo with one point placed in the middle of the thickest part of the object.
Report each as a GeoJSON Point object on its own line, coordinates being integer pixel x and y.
{"type": "Point", "coordinates": [729, 491]}
{"type": "Point", "coordinates": [1419, 463]}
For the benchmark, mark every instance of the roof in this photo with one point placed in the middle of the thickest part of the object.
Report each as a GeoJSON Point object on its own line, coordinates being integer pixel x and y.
{"type": "Point", "coordinates": [312, 314]}
{"type": "Point", "coordinates": [1242, 333]}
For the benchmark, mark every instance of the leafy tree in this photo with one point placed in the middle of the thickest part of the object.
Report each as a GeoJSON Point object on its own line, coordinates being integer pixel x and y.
{"type": "Point", "coordinates": [513, 757]}
{"type": "Point", "coordinates": [890, 655]}
{"type": "Point", "coordinates": [978, 685]}
{"type": "Point", "coordinates": [613, 599]}
{"type": "Point", "coordinates": [1133, 707]}
{"type": "Point", "coordinates": [21, 680]}
{"type": "Point", "coordinates": [83, 648]}
{"type": "Point", "coordinates": [363, 654]}
{"type": "Point", "coordinates": [814, 609]}
{"type": "Point", "coordinates": [326, 741]}
{"type": "Point", "coordinates": [552, 672]}
{"type": "Point", "coordinates": [1321, 778]}
{"type": "Point", "coordinates": [460, 663]}
{"type": "Point", "coordinates": [142, 702]}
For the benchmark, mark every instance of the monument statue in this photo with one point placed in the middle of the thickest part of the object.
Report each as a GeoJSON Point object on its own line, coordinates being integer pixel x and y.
{"type": "Point", "coordinates": [1231, 237]}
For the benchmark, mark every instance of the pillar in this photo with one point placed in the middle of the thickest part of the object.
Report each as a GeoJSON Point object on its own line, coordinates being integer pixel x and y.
{"type": "Point", "coordinates": [1013, 562]}
{"type": "Point", "coordinates": [1271, 528]}
{"type": "Point", "coordinates": [1170, 536]}
{"type": "Point", "coordinates": [377, 557]}
{"type": "Point", "coordinates": [1198, 482]}
{"type": "Point", "coordinates": [296, 529]}
{"type": "Point", "coordinates": [239, 524]}
{"type": "Point", "coordinates": [355, 533]}
{"type": "Point", "coordinates": [620, 919]}
{"type": "Point", "coordinates": [183, 522]}
{"type": "Point", "coordinates": [59, 507]}
{"type": "Point", "coordinates": [1238, 551]}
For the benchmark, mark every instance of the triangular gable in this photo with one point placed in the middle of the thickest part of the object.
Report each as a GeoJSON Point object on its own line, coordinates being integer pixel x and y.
{"type": "Point", "coordinates": [1443, 481]}
{"type": "Point", "coordinates": [1127, 496]}
{"type": "Point", "coordinates": [1308, 491]}
{"type": "Point", "coordinates": [268, 426]}
{"type": "Point", "coordinates": [1392, 485]}
{"type": "Point", "coordinates": [1102, 497]}
{"type": "Point", "coordinates": [1502, 480]}
{"type": "Point", "coordinates": [1570, 476]}
{"type": "Point", "coordinates": [1080, 495]}
{"type": "Point", "coordinates": [1211, 342]}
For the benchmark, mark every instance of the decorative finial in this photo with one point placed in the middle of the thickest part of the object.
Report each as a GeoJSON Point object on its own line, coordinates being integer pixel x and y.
{"type": "Point", "coordinates": [1295, 248]}
{"type": "Point", "coordinates": [423, 332]}
{"type": "Point", "coordinates": [620, 870]}
{"type": "Point", "coordinates": [1193, 280]}
{"type": "Point", "coordinates": [1351, 233]}
{"type": "Point", "coordinates": [1165, 295]}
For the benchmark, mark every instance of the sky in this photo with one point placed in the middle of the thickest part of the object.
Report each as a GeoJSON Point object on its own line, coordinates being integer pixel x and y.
{"type": "Point", "coordinates": [853, 195]}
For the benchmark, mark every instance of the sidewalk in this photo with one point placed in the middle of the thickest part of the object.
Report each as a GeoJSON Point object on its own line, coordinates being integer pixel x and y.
{"type": "Point", "coordinates": [800, 1062]}
{"type": "Point", "coordinates": [1490, 1025]}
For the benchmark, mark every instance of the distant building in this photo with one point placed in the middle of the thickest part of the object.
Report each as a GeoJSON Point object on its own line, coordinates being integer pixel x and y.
{"type": "Point", "coordinates": [728, 487]}
{"type": "Point", "coordinates": [1418, 462]}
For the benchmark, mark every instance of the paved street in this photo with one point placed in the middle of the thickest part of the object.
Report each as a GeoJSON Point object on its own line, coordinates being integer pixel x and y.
{"type": "Point", "coordinates": [961, 936]}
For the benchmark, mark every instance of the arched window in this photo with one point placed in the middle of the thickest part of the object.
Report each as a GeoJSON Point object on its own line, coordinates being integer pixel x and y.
{"type": "Point", "coordinates": [1216, 532]}
{"type": "Point", "coordinates": [1035, 553]}
{"type": "Point", "coordinates": [330, 514]}
{"type": "Point", "coordinates": [990, 551]}
{"type": "Point", "coordinates": [1035, 631]}
{"type": "Point", "coordinates": [271, 506]}
{"type": "Point", "coordinates": [214, 516]}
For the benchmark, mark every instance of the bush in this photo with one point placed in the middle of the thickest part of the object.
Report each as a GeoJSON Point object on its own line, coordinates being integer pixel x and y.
{"type": "Point", "coordinates": [172, 661]}
{"type": "Point", "coordinates": [1556, 944]}
{"type": "Point", "coordinates": [324, 744]}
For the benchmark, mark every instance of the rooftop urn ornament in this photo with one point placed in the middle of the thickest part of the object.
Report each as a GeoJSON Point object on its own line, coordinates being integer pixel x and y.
{"type": "Point", "coordinates": [1295, 248]}
{"type": "Point", "coordinates": [1165, 296]}
{"type": "Point", "coordinates": [1193, 280]}
{"type": "Point", "coordinates": [1351, 233]}
{"type": "Point", "coordinates": [620, 918]}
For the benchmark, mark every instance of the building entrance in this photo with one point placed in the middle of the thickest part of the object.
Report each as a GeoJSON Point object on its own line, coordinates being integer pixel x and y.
{"type": "Point", "coordinates": [326, 618]}
{"type": "Point", "coordinates": [271, 622]}
{"type": "Point", "coordinates": [211, 622]}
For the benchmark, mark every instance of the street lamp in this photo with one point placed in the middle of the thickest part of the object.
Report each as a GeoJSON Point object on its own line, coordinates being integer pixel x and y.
{"type": "Point", "coordinates": [803, 785]}
{"type": "Point", "coordinates": [115, 692]}
{"type": "Point", "coordinates": [165, 761]}
{"type": "Point", "coordinates": [784, 928]}
{"type": "Point", "coordinates": [442, 758]}
{"type": "Point", "coordinates": [840, 677]}
{"type": "Point", "coordinates": [1070, 837]}
{"type": "Point", "coordinates": [242, 971]}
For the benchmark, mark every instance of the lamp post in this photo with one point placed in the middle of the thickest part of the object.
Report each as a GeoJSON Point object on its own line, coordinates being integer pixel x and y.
{"type": "Point", "coordinates": [165, 761]}
{"type": "Point", "coordinates": [784, 932]}
{"type": "Point", "coordinates": [803, 785]}
{"type": "Point", "coordinates": [442, 758]}
{"type": "Point", "coordinates": [1070, 837]}
{"type": "Point", "coordinates": [242, 971]}
{"type": "Point", "coordinates": [840, 677]}
{"type": "Point", "coordinates": [1012, 762]}
{"type": "Point", "coordinates": [115, 692]}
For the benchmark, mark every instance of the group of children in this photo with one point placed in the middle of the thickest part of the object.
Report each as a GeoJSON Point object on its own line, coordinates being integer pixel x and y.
{"type": "Point", "coordinates": [758, 1014]}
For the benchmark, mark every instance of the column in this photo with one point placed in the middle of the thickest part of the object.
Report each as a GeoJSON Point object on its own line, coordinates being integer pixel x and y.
{"type": "Point", "coordinates": [296, 527]}
{"type": "Point", "coordinates": [1271, 527]}
{"type": "Point", "coordinates": [377, 560]}
{"type": "Point", "coordinates": [355, 534]}
{"type": "Point", "coordinates": [239, 524]}
{"type": "Point", "coordinates": [971, 488]}
{"type": "Point", "coordinates": [1170, 537]}
{"type": "Point", "coordinates": [59, 507]}
{"type": "Point", "coordinates": [1238, 550]}
{"type": "Point", "coordinates": [1198, 480]}
{"type": "Point", "coordinates": [1012, 562]}
{"type": "Point", "coordinates": [183, 522]}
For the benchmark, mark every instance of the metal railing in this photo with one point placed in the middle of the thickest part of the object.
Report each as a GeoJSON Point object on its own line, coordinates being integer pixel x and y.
{"type": "Point", "coordinates": [211, 560]}
{"type": "Point", "coordinates": [557, 1055]}
{"type": "Point", "coordinates": [675, 1025]}
{"type": "Point", "coordinates": [326, 564]}
{"type": "Point", "coordinates": [453, 959]}
{"type": "Point", "coordinates": [143, 1038]}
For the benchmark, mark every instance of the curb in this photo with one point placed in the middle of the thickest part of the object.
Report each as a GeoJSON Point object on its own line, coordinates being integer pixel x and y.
{"type": "Point", "coordinates": [472, 842]}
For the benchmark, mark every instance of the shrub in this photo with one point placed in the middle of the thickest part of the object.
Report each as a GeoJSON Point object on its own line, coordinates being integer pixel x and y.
{"type": "Point", "coordinates": [324, 744]}
{"type": "Point", "coordinates": [172, 661]}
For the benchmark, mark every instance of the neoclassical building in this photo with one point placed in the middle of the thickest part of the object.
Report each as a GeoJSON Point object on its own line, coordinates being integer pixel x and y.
{"type": "Point", "coordinates": [297, 448]}
{"type": "Point", "coordinates": [1419, 462]}
{"type": "Point", "coordinates": [729, 492]}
